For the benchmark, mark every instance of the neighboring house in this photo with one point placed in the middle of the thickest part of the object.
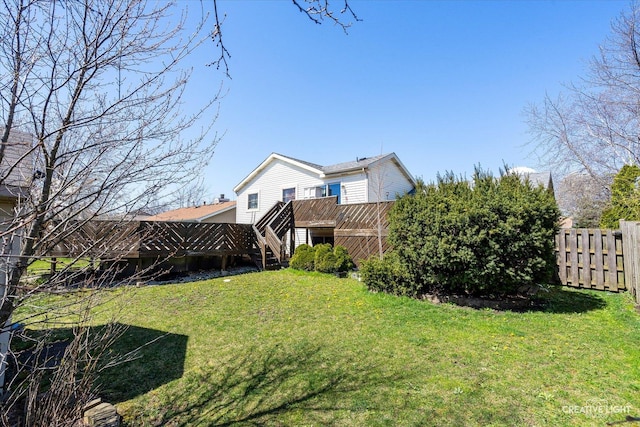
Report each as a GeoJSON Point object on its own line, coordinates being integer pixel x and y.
{"type": "Point", "coordinates": [16, 175]}
{"type": "Point", "coordinates": [536, 178]}
{"type": "Point", "coordinates": [220, 212]}
{"type": "Point", "coordinates": [542, 178]}
{"type": "Point", "coordinates": [566, 222]}
{"type": "Point", "coordinates": [281, 178]}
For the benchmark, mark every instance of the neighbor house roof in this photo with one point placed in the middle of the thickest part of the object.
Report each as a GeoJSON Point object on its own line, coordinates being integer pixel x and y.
{"type": "Point", "coordinates": [194, 213]}
{"type": "Point", "coordinates": [540, 178]}
{"type": "Point", "coordinates": [536, 179]}
{"type": "Point", "coordinates": [358, 164]}
{"type": "Point", "coordinates": [324, 171]}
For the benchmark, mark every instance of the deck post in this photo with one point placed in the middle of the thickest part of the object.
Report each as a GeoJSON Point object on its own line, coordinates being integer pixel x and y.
{"type": "Point", "coordinates": [292, 246]}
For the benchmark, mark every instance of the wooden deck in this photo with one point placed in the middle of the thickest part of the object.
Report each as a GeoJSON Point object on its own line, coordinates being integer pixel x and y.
{"type": "Point", "coordinates": [355, 226]}
{"type": "Point", "coordinates": [314, 213]}
{"type": "Point", "coordinates": [146, 239]}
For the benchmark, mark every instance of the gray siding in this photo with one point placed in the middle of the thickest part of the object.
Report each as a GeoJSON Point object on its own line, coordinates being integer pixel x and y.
{"type": "Point", "coordinates": [16, 168]}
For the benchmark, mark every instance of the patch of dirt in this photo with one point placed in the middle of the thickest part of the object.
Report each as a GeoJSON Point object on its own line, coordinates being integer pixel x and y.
{"type": "Point", "coordinates": [513, 303]}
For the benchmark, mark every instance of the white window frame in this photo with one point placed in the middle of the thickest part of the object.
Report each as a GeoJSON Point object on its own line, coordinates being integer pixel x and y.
{"type": "Point", "coordinates": [257, 194]}
{"type": "Point", "coordinates": [312, 192]}
{"type": "Point", "coordinates": [295, 191]}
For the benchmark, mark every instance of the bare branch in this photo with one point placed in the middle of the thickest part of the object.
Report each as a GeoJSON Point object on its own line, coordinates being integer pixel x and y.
{"type": "Point", "coordinates": [595, 125]}
{"type": "Point", "coordinates": [319, 10]}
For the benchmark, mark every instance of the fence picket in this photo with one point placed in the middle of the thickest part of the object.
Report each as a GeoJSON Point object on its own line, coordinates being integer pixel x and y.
{"type": "Point", "coordinates": [586, 258]}
{"type": "Point", "coordinates": [591, 259]}
{"type": "Point", "coordinates": [562, 257]}
{"type": "Point", "coordinates": [631, 259]}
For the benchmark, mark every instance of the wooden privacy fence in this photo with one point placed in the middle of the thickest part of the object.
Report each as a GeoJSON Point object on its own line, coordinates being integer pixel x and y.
{"type": "Point", "coordinates": [195, 239]}
{"type": "Point", "coordinates": [355, 226]}
{"type": "Point", "coordinates": [631, 245]}
{"type": "Point", "coordinates": [363, 229]}
{"type": "Point", "coordinates": [591, 259]}
{"type": "Point", "coordinates": [137, 239]}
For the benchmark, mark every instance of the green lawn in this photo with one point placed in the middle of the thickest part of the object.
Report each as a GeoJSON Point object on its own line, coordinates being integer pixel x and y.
{"type": "Point", "coordinates": [43, 266]}
{"type": "Point", "coordinates": [289, 348]}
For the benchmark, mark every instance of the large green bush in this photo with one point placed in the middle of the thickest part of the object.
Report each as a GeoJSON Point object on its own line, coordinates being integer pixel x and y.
{"type": "Point", "coordinates": [490, 236]}
{"type": "Point", "coordinates": [322, 251]}
{"type": "Point", "coordinates": [387, 275]}
{"type": "Point", "coordinates": [303, 258]}
{"type": "Point", "coordinates": [323, 258]}
{"type": "Point", "coordinates": [625, 198]}
{"type": "Point", "coordinates": [343, 259]}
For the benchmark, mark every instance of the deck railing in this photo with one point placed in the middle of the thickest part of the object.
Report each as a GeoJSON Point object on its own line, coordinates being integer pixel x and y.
{"type": "Point", "coordinates": [136, 239]}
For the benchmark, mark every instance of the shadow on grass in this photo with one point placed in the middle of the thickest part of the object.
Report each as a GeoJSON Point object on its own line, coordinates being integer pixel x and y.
{"type": "Point", "coordinates": [151, 358]}
{"type": "Point", "coordinates": [143, 359]}
{"type": "Point", "coordinates": [255, 388]}
{"type": "Point", "coordinates": [555, 299]}
{"type": "Point", "coordinates": [560, 299]}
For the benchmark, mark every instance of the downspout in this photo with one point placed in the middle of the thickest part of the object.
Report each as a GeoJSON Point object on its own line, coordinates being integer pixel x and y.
{"type": "Point", "coordinates": [366, 187]}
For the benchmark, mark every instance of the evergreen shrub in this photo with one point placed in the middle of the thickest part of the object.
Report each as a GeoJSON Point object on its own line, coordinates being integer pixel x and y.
{"type": "Point", "coordinates": [487, 237]}
{"type": "Point", "coordinates": [386, 275]}
{"type": "Point", "coordinates": [322, 250]}
{"type": "Point", "coordinates": [343, 259]}
{"type": "Point", "coordinates": [323, 258]}
{"type": "Point", "coordinates": [625, 198]}
{"type": "Point", "coordinates": [303, 258]}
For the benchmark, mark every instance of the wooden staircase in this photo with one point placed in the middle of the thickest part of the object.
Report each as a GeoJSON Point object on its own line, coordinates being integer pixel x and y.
{"type": "Point", "coordinates": [271, 232]}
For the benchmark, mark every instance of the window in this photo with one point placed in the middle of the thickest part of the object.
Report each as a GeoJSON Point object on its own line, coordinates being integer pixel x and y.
{"type": "Point", "coordinates": [315, 192]}
{"type": "Point", "coordinates": [252, 202]}
{"type": "Point", "coordinates": [334, 190]}
{"type": "Point", "coordinates": [288, 194]}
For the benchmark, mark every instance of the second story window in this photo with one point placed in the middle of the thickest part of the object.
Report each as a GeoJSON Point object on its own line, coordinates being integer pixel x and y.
{"type": "Point", "coordinates": [315, 192]}
{"type": "Point", "coordinates": [252, 202]}
{"type": "Point", "coordinates": [288, 194]}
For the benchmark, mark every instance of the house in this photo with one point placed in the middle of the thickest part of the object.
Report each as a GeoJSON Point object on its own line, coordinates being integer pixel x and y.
{"type": "Point", "coordinates": [281, 178]}
{"type": "Point", "coordinates": [221, 211]}
{"type": "Point", "coordinates": [536, 179]}
{"type": "Point", "coordinates": [543, 179]}
{"type": "Point", "coordinates": [264, 196]}
{"type": "Point", "coordinates": [16, 175]}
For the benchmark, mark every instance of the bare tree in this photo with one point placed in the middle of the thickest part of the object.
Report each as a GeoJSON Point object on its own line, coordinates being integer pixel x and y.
{"type": "Point", "coordinates": [91, 100]}
{"type": "Point", "coordinates": [594, 127]}
{"type": "Point", "coordinates": [581, 197]}
{"type": "Point", "coordinates": [192, 194]}
{"type": "Point", "coordinates": [91, 91]}
{"type": "Point", "coordinates": [378, 178]}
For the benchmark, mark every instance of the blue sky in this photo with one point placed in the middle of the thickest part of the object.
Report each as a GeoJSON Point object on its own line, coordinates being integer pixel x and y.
{"type": "Point", "coordinates": [443, 84]}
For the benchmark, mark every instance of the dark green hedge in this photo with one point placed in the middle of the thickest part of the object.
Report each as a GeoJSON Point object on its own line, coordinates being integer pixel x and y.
{"type": "Point", "coordinates": [489, 236]}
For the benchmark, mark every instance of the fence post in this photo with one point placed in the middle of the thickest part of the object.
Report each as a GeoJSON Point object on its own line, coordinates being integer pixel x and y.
{"type": "Point", "coordinates": [635, 286]}
{"type": "Point", "coordinates": [630, 245]}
